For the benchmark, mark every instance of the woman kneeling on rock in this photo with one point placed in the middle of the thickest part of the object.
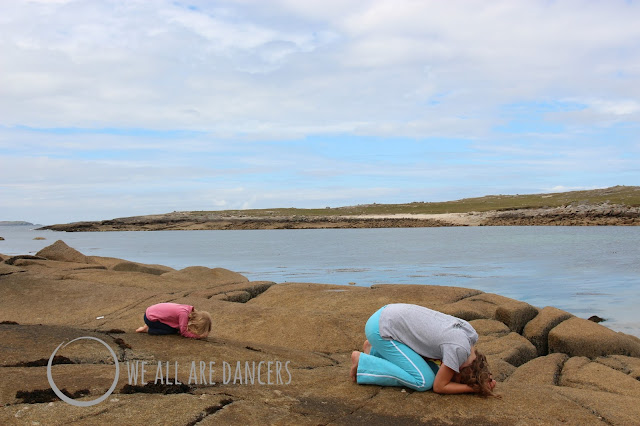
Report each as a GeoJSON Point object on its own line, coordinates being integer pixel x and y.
{"type": "Point", "coordinates": [405, 343]}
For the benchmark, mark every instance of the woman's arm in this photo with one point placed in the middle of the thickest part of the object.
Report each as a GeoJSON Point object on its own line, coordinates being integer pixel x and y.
{"type": "Point", "coordinates": [444, 383]}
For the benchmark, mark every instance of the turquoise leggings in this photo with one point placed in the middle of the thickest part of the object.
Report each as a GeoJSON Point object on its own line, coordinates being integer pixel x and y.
{"type": "Point", "coordinates": [392, 363]}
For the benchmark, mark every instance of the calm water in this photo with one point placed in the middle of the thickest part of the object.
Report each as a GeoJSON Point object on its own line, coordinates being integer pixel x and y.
{"type": "Point", "coordinates": [584, 270]}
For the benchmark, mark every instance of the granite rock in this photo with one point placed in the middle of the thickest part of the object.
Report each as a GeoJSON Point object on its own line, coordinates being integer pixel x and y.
{"type": "Point", "coordinates": [537, 330]}
{"type": "Point", "coordinates": [311, 327]}
{"type": "Point", "coordinates": [62, 252]}
{"type": "Point", "coordinates": [581, 337]}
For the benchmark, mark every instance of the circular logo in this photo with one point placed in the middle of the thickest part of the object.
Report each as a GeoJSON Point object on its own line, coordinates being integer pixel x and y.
{"type": "Point", "coordinates": [71, 401]}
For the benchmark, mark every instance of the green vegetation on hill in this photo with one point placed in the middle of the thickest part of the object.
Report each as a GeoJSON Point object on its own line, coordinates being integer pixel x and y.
{"type": "Point", "coordinates": [622, 195]}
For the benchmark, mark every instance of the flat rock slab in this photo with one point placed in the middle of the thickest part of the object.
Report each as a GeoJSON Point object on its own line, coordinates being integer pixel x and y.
{"type": "Point", "coordinates": [10, 269]}
{"type": "Point", "coordinates": [31, 343]}
{"type": "Point", "coordinates": [137, 409]}
{"type": "Point", "coordinates": [628, 365]}
{"type": "Point", "coordinates": [64, 300]}
{"type": "Point", "coordinates": [580, 372]}
{"type": "Point", "coordinates": [607, 408]}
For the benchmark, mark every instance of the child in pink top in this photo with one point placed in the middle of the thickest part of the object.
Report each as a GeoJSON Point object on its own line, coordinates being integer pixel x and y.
{"type": "Point", "coordinates": [173, 318]}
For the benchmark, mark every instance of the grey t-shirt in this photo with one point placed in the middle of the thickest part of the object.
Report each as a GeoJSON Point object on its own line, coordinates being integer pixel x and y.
{"type": "Point", "coordinates": [430, 333]}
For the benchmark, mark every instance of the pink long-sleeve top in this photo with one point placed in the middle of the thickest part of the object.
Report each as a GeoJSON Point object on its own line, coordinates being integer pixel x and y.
{"type": "Point", "coordinates": [172, 314]}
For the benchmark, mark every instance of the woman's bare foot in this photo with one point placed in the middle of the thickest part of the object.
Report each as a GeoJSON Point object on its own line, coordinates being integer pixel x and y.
{"type": "Point", "coordinates": [366, 347]}
{"type": "Point", "coordinates": [355, 358]}
{"type": "Point", "coordinates": [142, 329]}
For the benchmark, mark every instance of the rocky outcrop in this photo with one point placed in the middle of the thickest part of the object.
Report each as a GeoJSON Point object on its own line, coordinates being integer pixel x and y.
{"type": "Point", "coordinates": [62, 252]}
{"type": "Point", "coordinates": [137, 267]}
{"type": "Point", "coordinates": [586, 374]}
{"type": "Point", "coordinates": [570, 215]}
{"type": "Point", "coordinates": [146, 223]}
{"type": "Point", "coordinates": [608, 206]}
{"type": "Point", "coordinates": [205, 276]}
{"type": "Point", "coordinates": [580, 337]}
{"type": "Point", "coordinates": [537, 330]}
{"type": "Point", "coordinates": [513, 313]}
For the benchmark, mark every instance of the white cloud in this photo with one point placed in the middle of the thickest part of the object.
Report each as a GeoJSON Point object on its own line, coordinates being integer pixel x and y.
{"type": "Point", "coordinates": [614, 107]}
{"type": "Point", "coordinates": [159, 65]}
{"type": "Point", "coordinates": [562, 188]}
{"type": "Point", "coordinates": [239, 77]}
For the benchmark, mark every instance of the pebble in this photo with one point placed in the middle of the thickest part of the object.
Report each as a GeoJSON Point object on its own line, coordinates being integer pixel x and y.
{"type": "Point", "coordinates": [20, 412]}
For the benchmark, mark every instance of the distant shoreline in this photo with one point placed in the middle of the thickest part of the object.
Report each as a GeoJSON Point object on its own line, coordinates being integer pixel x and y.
{"type": "Point", "coordinates": [15, 223]}
{"type": "Point", "coordinates": [615, 206]}
{"type": "Point", "coordinates": [602, 215]}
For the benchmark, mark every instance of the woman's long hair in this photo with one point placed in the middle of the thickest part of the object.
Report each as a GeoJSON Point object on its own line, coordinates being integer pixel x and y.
{"type": "Point", "coordinates": [478, 376]}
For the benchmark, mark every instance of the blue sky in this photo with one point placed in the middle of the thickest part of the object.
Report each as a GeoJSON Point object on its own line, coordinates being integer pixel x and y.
{"type": "Point", "coordinates": [122, 108]}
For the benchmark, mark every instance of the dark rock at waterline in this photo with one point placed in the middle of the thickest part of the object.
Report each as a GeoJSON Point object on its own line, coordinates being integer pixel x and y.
{"type": "Point", "coordinates": [137, 267]}
{"type": "Point", "coordinates": [12, 260]}
{"type": "Point", "coordinates": [596, 318]}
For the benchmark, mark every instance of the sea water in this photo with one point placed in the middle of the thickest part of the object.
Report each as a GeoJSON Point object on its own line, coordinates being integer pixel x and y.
{"type": "Point", "coordinates": [584, 270]}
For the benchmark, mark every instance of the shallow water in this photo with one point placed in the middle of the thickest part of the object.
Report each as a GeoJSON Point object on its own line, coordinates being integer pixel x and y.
{"type": "Point", "coordinates": [584, 270]}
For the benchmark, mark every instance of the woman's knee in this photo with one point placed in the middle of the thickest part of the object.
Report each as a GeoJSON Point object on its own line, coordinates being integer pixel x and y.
{"type": "Point", "coordinates": [424, 379]}
{"type": "Point", "coordinates": [423, 385]}
{"type": "Point", "coordinates": [428, 383]}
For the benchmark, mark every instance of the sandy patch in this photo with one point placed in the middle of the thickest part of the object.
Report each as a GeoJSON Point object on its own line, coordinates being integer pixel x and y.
{"type": "Point", "coordinates": [469, 219]}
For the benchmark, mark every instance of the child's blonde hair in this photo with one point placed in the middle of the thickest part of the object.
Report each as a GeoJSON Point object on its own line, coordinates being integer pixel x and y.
{"type": "Point", "coordinates": [199, 322]}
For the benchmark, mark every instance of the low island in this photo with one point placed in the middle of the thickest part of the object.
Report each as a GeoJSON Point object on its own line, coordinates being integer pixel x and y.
{"type": "Point", "coordinates": [619, 205]}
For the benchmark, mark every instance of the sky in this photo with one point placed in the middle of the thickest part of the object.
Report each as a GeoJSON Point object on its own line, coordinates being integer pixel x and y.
{"type": "Point", "coordinates": [121, 108]}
